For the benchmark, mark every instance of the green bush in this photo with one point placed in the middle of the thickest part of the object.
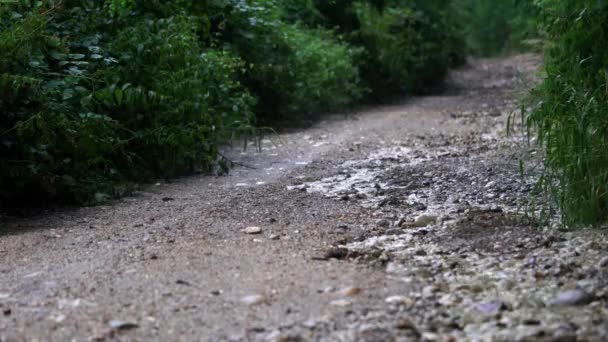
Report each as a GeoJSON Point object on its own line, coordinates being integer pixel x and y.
{"type": "Point", "coordinates": [98, 95]}
{"type": "Point", "coordinates": [494, 27]}
{"type": "Point", "coordinates": [571, 118]}
{"type": "Point", "coordinates": [90, 112]}
{"type": "Point", "coordinates": [293, 70]}
{"type": "Point", "coordinates": [409, 46]}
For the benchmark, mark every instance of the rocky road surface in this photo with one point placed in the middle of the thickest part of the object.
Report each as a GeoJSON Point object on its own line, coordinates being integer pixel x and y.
{"type": "Point", "coordinates": [399, 223]}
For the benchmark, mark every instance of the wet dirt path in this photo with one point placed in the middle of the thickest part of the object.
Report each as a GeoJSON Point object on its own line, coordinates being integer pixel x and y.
{"type": "Point", "coordinates": [397, 223]}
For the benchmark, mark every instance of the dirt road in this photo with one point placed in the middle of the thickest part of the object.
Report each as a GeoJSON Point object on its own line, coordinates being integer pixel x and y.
{"type": "Point", "coordinates": [397, 223]}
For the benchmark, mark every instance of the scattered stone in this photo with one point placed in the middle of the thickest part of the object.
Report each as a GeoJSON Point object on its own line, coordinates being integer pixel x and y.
{"type": "Point", "coordinates": [216, 292]}
{"type": "Point", "coordinates": [421, 221]}
{"type": "Point", "coordinates": [491, 307]}
{"type": "Point", "coordinates": [332, 253]}
{"type": "Point", "coordinates": [531, 321]}
{"type": "Point", "coordinates": [168, 199]}
{"type": "Point", "coordinates": [496, 209]}
{"type": "Point", "coordinates": [383, 223]}
{"type": "Point", "coordinates": [604, 262]}
{"type": "Point", "coordinates": [274, 237]}
{"type": "Point", "coordinates": [405, 324]}
{"type": "Point", "coordinates": [398, 300]}
{"type": "Point", "coordinates": [340, 302]}
{"type": "Point", "coordinates": [252, 230]}
{"type": "Point", "coordinates": [255, 299]}
{"type": "Point", "coordinates": [182, 282]}
{"type": "Point", "coordinates": [350, 291]}
{"type": "Point", "coordinates": [572, 298]}
{"type": "Point", "coordinates": [117, 324]}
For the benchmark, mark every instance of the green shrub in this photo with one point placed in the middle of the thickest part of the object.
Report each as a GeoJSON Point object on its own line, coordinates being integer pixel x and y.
{"type": "Point", "coordinates": [98, 95]}
{"type": "Point", "coordinates": [409, 47]}
{"type": "Point", "coordinates": [571, 118]}
{"type": "Point", "coordinates": [181, 100]}
{"type": "Point", "coordinates": [494, 27]}
{"type": "Point", "coordinates": [96, 102]}
{"type": "Point", "coordinates": [294, 71]}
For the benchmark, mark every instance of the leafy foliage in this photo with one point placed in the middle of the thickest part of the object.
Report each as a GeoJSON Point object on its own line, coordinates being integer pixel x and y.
{"type": "Point", "coordinates": [409, 47]}
{"type": "Point", "coordinates": [115, 102]}
{"type": "Point", "coordinates": [494, 27]}
{"type": "Point", "coordinates": [98, 95]}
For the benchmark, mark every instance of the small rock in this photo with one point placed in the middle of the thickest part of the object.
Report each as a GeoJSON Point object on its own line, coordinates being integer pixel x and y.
{"type": "Point", "coordinates": [216, 292]}
{"type": "Point", "coordinates": [398, 300]}
{"type": "Point", "coordinates": [604, 262]}
{"type": "Point", "coordinates": [572, 298]}
{"type": "Point", "coordinates": [182, 282]}
{"type": "Point", "coordinates": [252, 230]}
{"type": "Point", "coordinates": [421, 252]}
{"type": "Point", "coordinates": [429, 336]}
{"type": "Point", "coordinates": [332, 253]}
{"type": "Point", "coordinates": [531, 321]}
{"type": "Point", "coordinates": [491, 307]}
{"type": "Point", "coordinates": [274, 237]}
{"type": "Point", "coordinates": [340, 302]}
{"type": "Point", "coordinates": [421, 221]}
{"type": "Point", "coordinates": [405, 324]}
{"type": "Point", "coordinates": [383, 223]}
{"type": "Point", "coordinates": [122, 325]}
{"type": "Point", "coordinates": [255, 299]}
{"type": "Point", "coordinates": [496, 209]}
{"type": "Point", "coordinates": [350, 291]}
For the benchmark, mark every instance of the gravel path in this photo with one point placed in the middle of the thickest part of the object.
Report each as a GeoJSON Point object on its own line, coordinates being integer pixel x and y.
{"type": "Point", "coordinates": [399, 223]}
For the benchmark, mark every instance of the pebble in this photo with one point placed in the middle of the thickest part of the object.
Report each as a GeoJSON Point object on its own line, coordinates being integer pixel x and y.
{"type": "Point", "coordinates": [383, 223]}
{"type": "Point", "coordinates": [350, 291]}
{"type": "Point", "coordinates": [122, 325]}
{"type": "Point", "coordinates": [604, 262]}
{"type": "Point", "coordinates": [252, 230]}
{"type": "Point", "coordinates": [255, 299]}
{"type": "Point", "coordinates": [491, 307]}
{"type": "Point", "coordinates": [422, 221]}
{"type": "Point", "coordinates": [399, 300]}
{"type": "Point", "coordinates": [340, 302]}
{"type": "Point", "coordinates": [405, 324]}
{"type": "Point", "coordinates": [572, 298]}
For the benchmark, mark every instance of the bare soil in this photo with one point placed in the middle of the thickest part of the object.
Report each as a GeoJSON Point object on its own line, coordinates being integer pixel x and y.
{"type": "Point", "coordinates": [397, 223]}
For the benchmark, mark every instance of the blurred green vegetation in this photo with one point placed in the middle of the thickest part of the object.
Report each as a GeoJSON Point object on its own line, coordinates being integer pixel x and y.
{"type": "Point", "coordinates": [570, 110]}
{"type": "Point", "coordinates": [497, 27]}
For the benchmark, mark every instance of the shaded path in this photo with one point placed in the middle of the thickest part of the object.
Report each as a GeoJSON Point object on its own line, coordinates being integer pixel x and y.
{"type": "Point", "coordinates": [174, 259]}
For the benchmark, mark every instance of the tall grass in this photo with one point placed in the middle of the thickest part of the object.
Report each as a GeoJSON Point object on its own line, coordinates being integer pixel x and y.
{"type": "Point", "coordinates": [571, 116]}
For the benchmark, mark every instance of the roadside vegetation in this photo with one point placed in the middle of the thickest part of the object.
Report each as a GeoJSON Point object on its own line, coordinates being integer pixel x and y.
{"type": "Point", "coordinates": [570, 110]}
{"type": "Point", "coordinates": [99, 95]}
